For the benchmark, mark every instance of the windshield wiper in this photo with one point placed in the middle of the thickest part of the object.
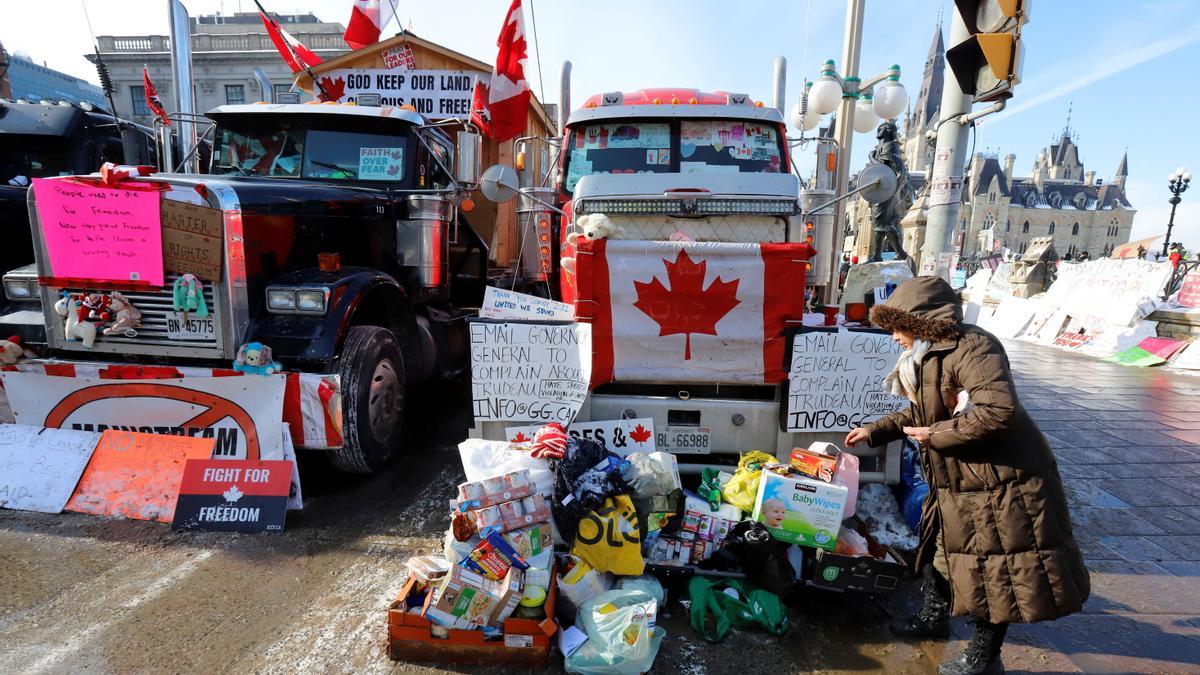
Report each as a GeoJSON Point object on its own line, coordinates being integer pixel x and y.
{"type": "Point", "coordinates": [241, 169]}
{"type": "Point", "coordinates": [336, 167]}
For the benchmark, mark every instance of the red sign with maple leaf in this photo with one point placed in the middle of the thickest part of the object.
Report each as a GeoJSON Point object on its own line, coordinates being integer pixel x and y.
{"type": "Point", "coordinates": [332, 90]}
{"type": "Point", "coordinates": [687, 307]}
{"type": "Point", "coordinates": [640, 434]}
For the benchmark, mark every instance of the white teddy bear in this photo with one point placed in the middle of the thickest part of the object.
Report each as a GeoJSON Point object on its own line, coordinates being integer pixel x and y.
{"type": "Point", "coordinates": [598, 226]}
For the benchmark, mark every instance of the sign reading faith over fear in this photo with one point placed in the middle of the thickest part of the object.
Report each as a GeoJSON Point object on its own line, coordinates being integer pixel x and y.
{"type": "Point", "coordinates": [529, 372]}
{"type": "Point", "coordinates": [233, 496]}
{"type": "Point", "coordinates": [437, 94]}
{"type": "Point", "coordinates": [836, 380]}
{"type": "Point", "coordinates": [39, 467]}
{"type": "Point", "coordinates": [100, 233]}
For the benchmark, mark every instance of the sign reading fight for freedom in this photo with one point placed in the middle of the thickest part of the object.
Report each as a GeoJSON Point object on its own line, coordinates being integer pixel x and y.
{"type": "Point", "coordinates": [529, 372]}
{"type": "Point", "coordinates": [233, 496]}
{"type": "Point", "coordinates": [836, 380]}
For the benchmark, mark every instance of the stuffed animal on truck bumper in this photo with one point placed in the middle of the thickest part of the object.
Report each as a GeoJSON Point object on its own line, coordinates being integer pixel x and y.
{"type": "Point", "coordinates": [254, 358]}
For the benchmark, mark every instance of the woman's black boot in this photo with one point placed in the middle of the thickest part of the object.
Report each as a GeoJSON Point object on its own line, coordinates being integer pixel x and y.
{"type": "Point", "coordinates": [982, 655]}
{"type": "Point", "coordinates": [934, 618]}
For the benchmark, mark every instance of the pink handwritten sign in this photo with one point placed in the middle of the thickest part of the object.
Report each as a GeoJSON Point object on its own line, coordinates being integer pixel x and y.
{"type": "Point", "coordinates": [1189, 293]}
{"type": "Point", "coordinates": [100, 233]}
{"type": "Point", "coordinates": [1161, 347]}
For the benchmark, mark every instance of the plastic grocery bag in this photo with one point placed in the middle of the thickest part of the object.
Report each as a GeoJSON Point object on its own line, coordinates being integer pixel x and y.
{"type": "Point", "coordinates": [721, 604]}
{"type": "Point", "coordinates": [647, 583]}
{"type": "Point", "coordinates": [580, 583]}
{"type": "Point", "coordinates": [846, 475]}
{"type": "Point", "coordinates": [742, 489]}
{"type": "Point", "coordinates": [487, 459]}
{"type": "Point", "coordinates": [651, 474]}
{"type": "Point", "coordinates": [622, 637]}
{"type": "Point", "coordinates": [610, 539]}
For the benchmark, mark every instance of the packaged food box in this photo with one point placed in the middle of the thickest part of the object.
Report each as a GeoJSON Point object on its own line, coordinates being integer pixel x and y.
{"type": "Point", "coordinates": [525, 643]}
{"type": "Point", "coordinates": [800, 510]}
{"type": "Point", "coordinates": [512, 515]}
{"type": "Point", "coordinates": [468, 600]}
{"type": "Point", "coordinates": [428, 568]}
{"type": "Point", "coordinates": [534, 543]}
{"type": "Point", "coordinates": [818, 460]}
{"type": "Point", "coordinates": [705, 528]}
{"type": "Point", "coordinates": [492, 491]}
{"type": "Point", "coordinates": [493, 557]}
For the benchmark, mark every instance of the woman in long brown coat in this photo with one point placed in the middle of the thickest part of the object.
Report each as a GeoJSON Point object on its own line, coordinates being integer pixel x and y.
{"type": "Point", "coordinates": [996, 541]}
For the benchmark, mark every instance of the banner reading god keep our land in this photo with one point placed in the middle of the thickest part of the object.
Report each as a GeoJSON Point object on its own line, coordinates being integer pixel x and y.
{"type": "Point", "coordinates": [529, 372]}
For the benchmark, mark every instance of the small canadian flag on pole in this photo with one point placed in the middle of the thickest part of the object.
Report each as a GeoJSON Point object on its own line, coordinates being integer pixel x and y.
{"type": "Point", "coordinates": [368, 18]}
{"type": "Point", "coordinates": [508, 92]}
{"type": "Point", "coordinates": [297, 56]}
{"type": "Point", "coordinates": [152, 101]}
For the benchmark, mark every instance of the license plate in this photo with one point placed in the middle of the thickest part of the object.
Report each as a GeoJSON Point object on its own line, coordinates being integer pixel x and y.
{"type": "Point", "coordinates": [681, 440]}
{"type": "Point", "coordinates": [182, 326]}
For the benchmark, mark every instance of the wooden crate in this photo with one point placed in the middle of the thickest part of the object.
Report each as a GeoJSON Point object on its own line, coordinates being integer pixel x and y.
{"type": "Point", "coordinates": [526, 643]}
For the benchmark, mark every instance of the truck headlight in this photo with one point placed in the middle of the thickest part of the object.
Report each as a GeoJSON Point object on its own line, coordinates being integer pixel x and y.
{"type": "Point", "coordinates": [20, 289]}
{"type": "Point", "coordinates": [292, 300]}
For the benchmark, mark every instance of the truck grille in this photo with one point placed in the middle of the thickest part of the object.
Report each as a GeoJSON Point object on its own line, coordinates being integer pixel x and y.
{"type": "Point", "coordinates": [156, 306]}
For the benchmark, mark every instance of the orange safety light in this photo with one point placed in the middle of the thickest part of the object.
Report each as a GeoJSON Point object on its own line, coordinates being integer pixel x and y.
{"type": "Point", "coordinates": [520, 163]}
{"type": "Point", "coordinates": [467, 205]}
{"type": "Point", "coordinates": [674, 100]}
{"type": "Point", "coordinates": [329, 262]}
{"type": "Point", "coordinates": [758, 104]}
{"type": "Point", "coordinates": [590, 104]}
{"type": "Point", "coordinates": [693, 100]}
{"type": "Point", "coordinates": [408, 108]}
{"type": "Point", "coordinates": [658, 101]}
{"type": "Point", "coordinates": [830, 161]}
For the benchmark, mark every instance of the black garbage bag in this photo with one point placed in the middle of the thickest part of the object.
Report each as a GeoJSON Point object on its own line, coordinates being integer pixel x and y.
{"type": "Point", "coordinates": [751, 547]}
{"type": "Point", "coordinates": [579, 487]}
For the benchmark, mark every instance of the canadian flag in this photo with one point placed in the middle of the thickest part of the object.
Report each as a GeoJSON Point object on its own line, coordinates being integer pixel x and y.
{"type": "Point", "coordinates": [367, 20]}
{"type": "Point", "coordinates": [297, 56]}
{"type": "Point", "coordinates": [508, 92]}
{"type": "Point", "coordinates": [152, 101]}
{"type": "Point", "coordinates": [667, 311]}
{"type": "Point", "coordinates": [480, 116]}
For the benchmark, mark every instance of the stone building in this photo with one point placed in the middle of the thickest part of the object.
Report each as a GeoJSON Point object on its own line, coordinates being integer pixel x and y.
{"type": "Point", "coordinates": [225, 52]}
{"type": "Point", "coordinates": [999, 210]}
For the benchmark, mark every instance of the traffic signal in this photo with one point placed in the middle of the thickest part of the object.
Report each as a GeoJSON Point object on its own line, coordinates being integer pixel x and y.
{"type": "Point", "coordinates": [987, 64]}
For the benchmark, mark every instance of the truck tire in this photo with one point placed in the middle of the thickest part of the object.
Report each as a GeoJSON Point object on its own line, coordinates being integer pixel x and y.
{"type": "Point", "coordinates": [373, 400]}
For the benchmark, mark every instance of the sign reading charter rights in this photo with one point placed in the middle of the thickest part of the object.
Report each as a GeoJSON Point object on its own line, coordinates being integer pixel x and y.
{"type": "Point", "coordinates": [835, 382]}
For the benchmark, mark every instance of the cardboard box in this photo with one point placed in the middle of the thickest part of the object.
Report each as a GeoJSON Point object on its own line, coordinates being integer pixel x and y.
{"type": "Point", "coordinates": [534, 543]}
{"type": "Point", "coordinates": [526, 643]}
{"type": "Point", "coordinates": [800, 510]}
{"type": "Point", "coordinates": [879, 572]}
{"type": "Point", "coordinates": [512, 515]}
{"type": "Point", "coordinates": [466, 600]}
{"type": "Point", "coordinates": [816, 461]}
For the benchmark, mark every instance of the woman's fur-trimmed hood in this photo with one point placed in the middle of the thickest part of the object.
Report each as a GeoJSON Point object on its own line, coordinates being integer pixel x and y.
{"type": "Point", "coordinates": [924, 307]}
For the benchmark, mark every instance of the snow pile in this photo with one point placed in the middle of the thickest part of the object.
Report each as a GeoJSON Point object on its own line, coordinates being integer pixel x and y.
{"type": "Point", "coordinates": [879, 510]}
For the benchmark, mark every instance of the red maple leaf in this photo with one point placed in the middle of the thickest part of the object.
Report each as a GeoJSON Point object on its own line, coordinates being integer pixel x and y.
{"type": "Point", "coordinates": [640, 434]}
{"type": "Point", "coordinates": [332, 90]}
{"type": "Point", "coordinates": [687, 307]}
{"type": "Point", "coordinates": [520, 438]}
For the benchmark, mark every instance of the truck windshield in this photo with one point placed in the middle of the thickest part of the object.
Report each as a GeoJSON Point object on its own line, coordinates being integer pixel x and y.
{"type": "Point", "coordinates": [297, 152]}
{"type": "Point", "coordinates": [686, 146]}
{"type": "Point", "coordinates": [24, 158]}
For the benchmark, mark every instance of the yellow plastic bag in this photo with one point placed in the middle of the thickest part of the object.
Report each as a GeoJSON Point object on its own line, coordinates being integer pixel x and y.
{"type": "Point", "coordinates": [742, 489]}
{"type": "Point", "coordinates": [609, 538]}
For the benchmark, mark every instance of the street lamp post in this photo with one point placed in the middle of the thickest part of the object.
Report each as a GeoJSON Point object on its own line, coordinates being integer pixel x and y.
{"type": "Point", "coordinates": [1178, 184]}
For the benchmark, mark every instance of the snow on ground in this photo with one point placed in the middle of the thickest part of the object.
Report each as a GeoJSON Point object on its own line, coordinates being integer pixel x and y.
{"type": "Point", "coordinates": [879, 510]}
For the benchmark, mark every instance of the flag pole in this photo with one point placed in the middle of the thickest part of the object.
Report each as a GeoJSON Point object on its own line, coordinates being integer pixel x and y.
{"type": "Point", "coordinates": [295, 57]}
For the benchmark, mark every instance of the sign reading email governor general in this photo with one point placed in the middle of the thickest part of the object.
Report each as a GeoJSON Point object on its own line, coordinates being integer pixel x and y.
{"type": "Point", "coordinates": [835, 382]}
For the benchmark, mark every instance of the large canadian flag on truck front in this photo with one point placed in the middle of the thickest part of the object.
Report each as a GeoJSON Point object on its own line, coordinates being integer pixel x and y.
{"type": "Point", "coordinates": [666, 311]}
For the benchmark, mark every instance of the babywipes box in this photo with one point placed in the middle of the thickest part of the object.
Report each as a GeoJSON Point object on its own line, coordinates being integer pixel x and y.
{"type": "Point", "coordinates": [800, 510]}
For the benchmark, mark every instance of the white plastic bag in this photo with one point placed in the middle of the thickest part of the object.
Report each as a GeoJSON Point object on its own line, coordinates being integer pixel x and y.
{"type": "Point", "coordinates": [582, 583]}
{"type": "Point", "coordinates": [646, 583]}
{"type": "Point", "coordinates": [487, 459]}
{"type": "Point", "coordinates": [847, 475]}
{"type": "Point", "coordinates": [622, 637]}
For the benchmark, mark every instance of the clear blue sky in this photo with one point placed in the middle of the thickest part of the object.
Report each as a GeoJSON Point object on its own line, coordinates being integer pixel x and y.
{"type": "Point", "coordinates": [1125, 66]}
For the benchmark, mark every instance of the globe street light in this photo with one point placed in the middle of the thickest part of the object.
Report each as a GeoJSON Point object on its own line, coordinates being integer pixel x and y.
{"type": "Point", "coordinates": [1177, 184]}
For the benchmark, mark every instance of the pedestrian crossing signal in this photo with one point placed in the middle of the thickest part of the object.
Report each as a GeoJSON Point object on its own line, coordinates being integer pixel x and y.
{"type": "Point", "coordinates": [987, 65]}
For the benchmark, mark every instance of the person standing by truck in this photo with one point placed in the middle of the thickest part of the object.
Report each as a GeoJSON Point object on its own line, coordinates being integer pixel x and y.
{"type": "Point", "coordinates": [996, 536]}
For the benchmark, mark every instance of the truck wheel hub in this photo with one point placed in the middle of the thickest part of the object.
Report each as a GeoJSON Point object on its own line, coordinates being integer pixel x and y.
{"type": "Point", "coordinates": [384, 403]}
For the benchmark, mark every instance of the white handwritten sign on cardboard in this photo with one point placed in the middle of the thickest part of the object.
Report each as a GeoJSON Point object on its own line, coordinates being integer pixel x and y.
{"type": "Point", "coordinates": [835, 382]}
{"type": "Point", "coordinates": [501, 304]}
{"type": "Point", "coordinates": [529, 372]}
{"type": "Point", "coordinates": [619, 436]}
{"type": "Point", "coordinates": [40, 467]}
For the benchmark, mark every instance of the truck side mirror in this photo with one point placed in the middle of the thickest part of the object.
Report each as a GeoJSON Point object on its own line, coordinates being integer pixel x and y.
{"type": "Point", "coordinates": [467, 163]}
{"type": "Point", "coordinates": [500, 183]}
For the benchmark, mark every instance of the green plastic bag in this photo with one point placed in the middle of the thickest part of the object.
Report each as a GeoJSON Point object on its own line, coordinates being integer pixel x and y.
{"type": "Point", "coordinates": [714, 610]}
{"type": "Point", "coordinates": [742, 489]}
{"type": "Point", "coordinates": [710, 488]}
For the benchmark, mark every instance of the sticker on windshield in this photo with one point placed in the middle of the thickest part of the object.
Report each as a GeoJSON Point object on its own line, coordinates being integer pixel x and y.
{"type": "Point", "coordinates": [380, 163]}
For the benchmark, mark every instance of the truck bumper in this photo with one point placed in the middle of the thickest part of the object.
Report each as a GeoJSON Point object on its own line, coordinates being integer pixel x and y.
{"type": "Point", "coordinates": [758, 430]}
{"type": "Point", "coordinates": [23, 321]}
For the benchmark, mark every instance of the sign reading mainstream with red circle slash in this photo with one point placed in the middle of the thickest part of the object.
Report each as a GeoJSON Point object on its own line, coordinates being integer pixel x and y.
{"type": "Point", "coordinates": [233, 496]}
